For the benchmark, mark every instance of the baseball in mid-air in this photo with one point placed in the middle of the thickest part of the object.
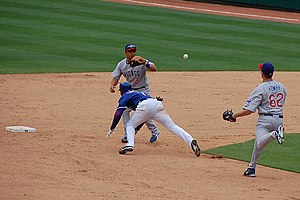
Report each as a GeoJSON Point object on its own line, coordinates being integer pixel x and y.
{"type": "Point", "coordinates": [185, 56]}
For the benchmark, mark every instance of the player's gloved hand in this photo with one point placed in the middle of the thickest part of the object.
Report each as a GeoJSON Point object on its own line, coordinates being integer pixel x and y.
{"type": "Point", "coordinates": [228, 116]}
{"type": "Point", "coordinates": [137, 60]}
{"type": "Point", "coordinates": [109, 132]}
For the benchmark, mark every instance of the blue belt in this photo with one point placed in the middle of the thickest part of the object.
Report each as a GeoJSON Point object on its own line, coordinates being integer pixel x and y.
{"type": "Point", "coordinates": [280, 116]}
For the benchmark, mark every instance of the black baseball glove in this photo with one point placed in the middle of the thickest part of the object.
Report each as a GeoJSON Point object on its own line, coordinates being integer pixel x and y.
{"type": "Point", "coordinates": [159, 98]}
{"type": "Point", "coordinates": [227, 116]}
{"type": "Point", "coordinates": [137, 60]}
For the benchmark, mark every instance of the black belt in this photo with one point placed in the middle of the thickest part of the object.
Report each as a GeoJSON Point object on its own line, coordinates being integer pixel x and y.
{"type": "Point", "coordinates": [280, 116]}
{"type": "Point", "coordinates": [138, 88]}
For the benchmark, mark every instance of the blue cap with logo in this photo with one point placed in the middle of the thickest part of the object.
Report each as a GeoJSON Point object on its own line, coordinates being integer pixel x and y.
{"type": "Point", "coordinates": [130, 47]}
{"type": "Point", "coordinates": [125, 86]}
{"type": "Point", "coordinates": [267, 68]}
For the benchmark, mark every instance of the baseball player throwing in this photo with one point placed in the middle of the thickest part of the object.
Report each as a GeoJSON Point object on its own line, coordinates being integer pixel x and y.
{"type": "Point", "coordinates": [268, 98]}
{"type": "Point", "coordinates": [134, 69]}
{"type": "Point", "coordinates": [146, 108]}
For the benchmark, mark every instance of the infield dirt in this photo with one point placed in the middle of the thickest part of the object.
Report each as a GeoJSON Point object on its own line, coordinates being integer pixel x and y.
{"type": "Point", "coordinates": [69, 157]}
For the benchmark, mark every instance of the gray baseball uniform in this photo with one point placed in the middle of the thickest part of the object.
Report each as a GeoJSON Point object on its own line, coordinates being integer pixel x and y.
{"type": "Point", "coordinates": [268, 98]}
{"type": "Point", "coordinates": [136, 76]}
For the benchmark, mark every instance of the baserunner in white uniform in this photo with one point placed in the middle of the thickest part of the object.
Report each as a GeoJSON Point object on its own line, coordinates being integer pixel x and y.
{"type": "Point", "coordinates": [146, 107]}
{"type": "Point", "coordinates": [268, 98]}
{"type": "Point", "coordinates": [136, 76]}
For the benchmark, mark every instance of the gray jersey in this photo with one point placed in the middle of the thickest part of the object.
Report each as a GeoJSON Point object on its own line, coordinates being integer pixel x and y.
{"type": "Point", "coordinates": [136, 76]}
{"type": "Point", "coordinates": [268, 98]}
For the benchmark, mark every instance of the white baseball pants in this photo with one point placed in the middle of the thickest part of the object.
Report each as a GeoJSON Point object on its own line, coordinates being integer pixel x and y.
{"type": "Point", "coordinates": [149, 123]}
{"type": "Point", "coordinates": [151, 109]}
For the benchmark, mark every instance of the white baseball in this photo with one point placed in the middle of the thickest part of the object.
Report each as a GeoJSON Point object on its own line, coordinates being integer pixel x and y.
{"type": "Point", "coordinates": [185, 56]}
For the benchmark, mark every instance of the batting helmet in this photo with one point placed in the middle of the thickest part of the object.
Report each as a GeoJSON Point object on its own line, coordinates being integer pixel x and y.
{"type": "Point", "coordinates": [124, 87]}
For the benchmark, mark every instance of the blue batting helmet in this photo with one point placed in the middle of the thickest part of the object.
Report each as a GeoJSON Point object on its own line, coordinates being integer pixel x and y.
{"type": "Point", "coordinates": [125, 86]}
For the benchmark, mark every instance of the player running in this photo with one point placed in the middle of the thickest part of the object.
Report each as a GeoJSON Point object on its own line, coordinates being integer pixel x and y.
{"type": "Point", "coordinates": [136, 76]}
{"type": "Point", "coordinates": [146, 108]}
{"type": "Point", "coordinates": [268, 98]}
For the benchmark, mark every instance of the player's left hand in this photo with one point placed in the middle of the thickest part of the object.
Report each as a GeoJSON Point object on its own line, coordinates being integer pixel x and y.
{"type": "Point", "coordinates": [109, 132]}
{"type": "Point", "coordinates": [228, 116]}
{"type": "Point", "coordinates": [137, 60]}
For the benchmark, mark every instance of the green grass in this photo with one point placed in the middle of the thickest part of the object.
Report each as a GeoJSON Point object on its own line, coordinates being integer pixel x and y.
{"type": "Point", "coordinates": [79, 36]}
{"type": "Point", "coordinates": [285, 156]}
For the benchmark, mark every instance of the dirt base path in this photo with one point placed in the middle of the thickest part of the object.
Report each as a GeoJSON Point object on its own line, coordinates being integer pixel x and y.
{"type": "Point", "coordinates": [235, 11]}
{"type": "Point", "coordinates": [70, 157]}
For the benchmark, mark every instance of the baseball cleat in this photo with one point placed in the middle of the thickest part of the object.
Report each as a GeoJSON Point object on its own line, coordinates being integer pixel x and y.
{"type": "Point", "coordinates": [124, 139]}
{"type": "Point", "coordinates": [250, 172]}
{"type": "Point", "coordinates": [126, 149]}
{"type": "Point", "coordinates": [154, 137]}
{"type": "Point", "coordinates": [196, 148]}
{"type": "Point", "coordinates": [279, 134]}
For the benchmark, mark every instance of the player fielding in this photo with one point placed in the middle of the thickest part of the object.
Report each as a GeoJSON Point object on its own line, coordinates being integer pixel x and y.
{"type": "Point", "coordinates": [134, 69]}
{"type": "Point", "coordinates": [268, 98]}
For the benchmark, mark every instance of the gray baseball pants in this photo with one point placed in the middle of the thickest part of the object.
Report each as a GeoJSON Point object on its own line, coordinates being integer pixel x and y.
{"type": "Point", "coordinates": [265, 133]}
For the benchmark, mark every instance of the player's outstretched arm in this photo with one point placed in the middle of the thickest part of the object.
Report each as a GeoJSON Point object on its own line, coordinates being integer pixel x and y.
{"type": "Point", "coordinates": [117, 117]}
{"type": "Point", "coordinates": [242, 113]}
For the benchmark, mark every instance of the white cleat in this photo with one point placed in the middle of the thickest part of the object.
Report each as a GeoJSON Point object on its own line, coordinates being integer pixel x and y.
{"type": "Point", "coordinates": [279, 134]}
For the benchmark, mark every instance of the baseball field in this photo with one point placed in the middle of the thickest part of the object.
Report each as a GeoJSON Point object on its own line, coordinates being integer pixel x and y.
{"type": "Point", "coordinates": [56, 63]}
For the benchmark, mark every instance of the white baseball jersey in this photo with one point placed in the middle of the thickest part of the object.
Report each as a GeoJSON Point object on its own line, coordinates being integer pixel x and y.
{"type": "Point", "coordinates": [268, 98]}
{"type": "Point", "coordinates": [136, 76]}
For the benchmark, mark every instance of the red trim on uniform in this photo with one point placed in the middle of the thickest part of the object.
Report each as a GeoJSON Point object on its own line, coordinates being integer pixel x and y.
{"type": "Point", "coordinates": [131, 49]}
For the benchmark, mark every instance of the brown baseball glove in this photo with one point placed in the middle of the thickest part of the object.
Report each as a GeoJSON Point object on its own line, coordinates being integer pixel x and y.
{"type": "Point", "coordinates": [227, 116]}
{"type": "Point", "coordinates": [137, 60]}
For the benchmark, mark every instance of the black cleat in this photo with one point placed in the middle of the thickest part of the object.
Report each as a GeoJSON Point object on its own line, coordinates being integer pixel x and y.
{"type": "Point", "coordinates": [126, 149]}
{"type": "Point", "coordinates": [196, 148]}
{"type": "Point", "coordinates": [250, 172]}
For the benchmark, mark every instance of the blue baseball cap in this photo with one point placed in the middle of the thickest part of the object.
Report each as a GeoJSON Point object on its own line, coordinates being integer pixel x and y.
{"type": "Point", "coordinates": [267, 68]}
{"type": "Point", "coordinates": [124, 87]}
{"type": "Point", "coordinates": [130, 47]}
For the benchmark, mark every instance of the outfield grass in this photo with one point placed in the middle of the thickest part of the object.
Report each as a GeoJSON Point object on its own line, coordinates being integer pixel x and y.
{"type": "Point", "coordinates": [285, 156]}
{"type": "Point", "coordinates": [80, 36]}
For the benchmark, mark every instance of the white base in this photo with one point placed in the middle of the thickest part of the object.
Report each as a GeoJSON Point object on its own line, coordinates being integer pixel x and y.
{"type": "Point", "coordinates": [20, 129]}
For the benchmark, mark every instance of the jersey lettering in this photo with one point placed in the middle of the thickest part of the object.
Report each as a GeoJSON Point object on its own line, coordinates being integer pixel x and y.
{"type": "Point", "coordinates": [274, 88]}
{"type": "Point", "coordinates": [279, 100]}
{"type": "Point", "coordinates": [136, 80]}
{"type": "Point", "coordinates": [132, 73]}
{"type": "Point", "coordinates": [275, 100]}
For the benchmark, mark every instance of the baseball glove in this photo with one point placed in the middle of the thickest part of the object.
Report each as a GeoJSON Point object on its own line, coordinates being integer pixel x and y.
{"type": "Point", "coordinates": [137, 60]}
{"type": "Point", "coordinates": [227, 116]}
